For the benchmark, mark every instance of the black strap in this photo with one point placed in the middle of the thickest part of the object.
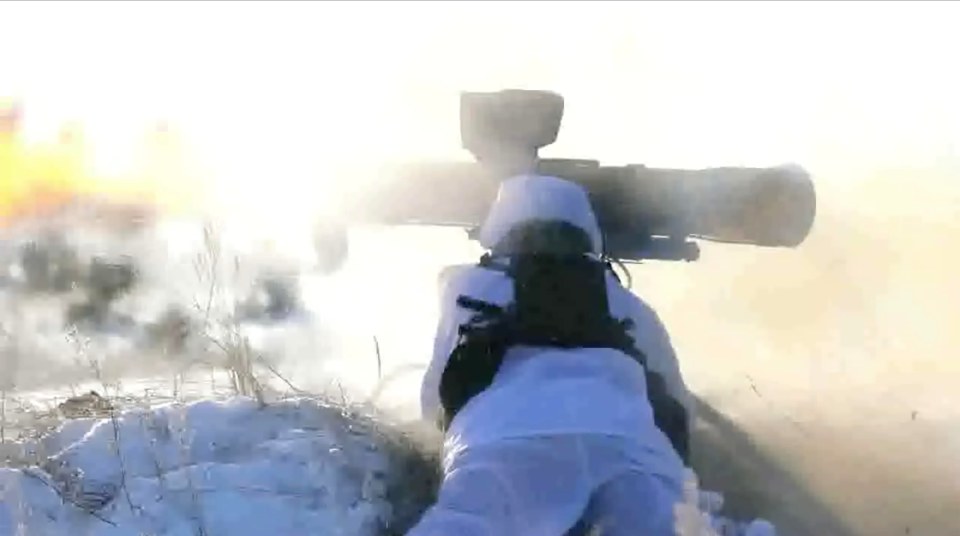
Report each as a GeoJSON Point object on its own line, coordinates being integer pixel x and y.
{"type": "Point", "coordinates": [492, 329]}
{"type": "Point", "coordinates": [479, 306]}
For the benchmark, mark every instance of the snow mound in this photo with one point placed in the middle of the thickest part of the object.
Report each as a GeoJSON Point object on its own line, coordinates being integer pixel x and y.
{"type": "Point", "coordinates": [239, 468]}
{"type": "Point", "coordinates": [233, 467]}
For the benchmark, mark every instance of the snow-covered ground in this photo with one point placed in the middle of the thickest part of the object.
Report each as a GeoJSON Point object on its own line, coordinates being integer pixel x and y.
{"type": "Point", "coordinates": [225, 434]}
{"type": "Point", "coordinates": [210, 467]}
{"type": "Point", "coordinates": [238, 467]}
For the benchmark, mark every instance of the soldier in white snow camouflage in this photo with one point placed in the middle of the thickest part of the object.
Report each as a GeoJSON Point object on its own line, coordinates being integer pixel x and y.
{"type": "Point", "coordinates": [548, 431]}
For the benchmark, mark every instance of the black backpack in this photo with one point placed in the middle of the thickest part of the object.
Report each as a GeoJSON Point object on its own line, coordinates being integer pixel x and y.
{"type": "Point", "coordinates": [560, 300]}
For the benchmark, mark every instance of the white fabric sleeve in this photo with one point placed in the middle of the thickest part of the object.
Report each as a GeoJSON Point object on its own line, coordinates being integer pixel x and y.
{"type": "Point", "coordinates": [653, 340]}
{"type": "Point", "coordinates": [445, 339]}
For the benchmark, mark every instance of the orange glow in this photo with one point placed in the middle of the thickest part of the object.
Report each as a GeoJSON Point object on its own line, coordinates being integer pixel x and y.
{"type": "Point", "coordinates": [38, 180]}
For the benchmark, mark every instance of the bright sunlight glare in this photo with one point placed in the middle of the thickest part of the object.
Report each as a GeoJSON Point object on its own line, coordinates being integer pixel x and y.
{"type": "Point", "coordinates": [274, 103]}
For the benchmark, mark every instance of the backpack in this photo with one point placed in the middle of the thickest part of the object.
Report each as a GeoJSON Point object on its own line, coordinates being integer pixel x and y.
{"type": "Point", "coordinates": [560, 301]}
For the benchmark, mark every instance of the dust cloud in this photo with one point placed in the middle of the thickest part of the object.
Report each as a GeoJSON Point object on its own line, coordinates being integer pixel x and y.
{"type": "Point", "coordinates": [828, 372]}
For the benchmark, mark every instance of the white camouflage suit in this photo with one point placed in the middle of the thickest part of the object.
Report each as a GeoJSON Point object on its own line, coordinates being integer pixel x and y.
{"type": "Point", "coordinates": [562, 435]}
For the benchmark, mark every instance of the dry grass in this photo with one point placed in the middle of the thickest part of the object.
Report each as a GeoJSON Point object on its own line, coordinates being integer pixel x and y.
{"type": "Point", "coordinates": [25, 428]}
